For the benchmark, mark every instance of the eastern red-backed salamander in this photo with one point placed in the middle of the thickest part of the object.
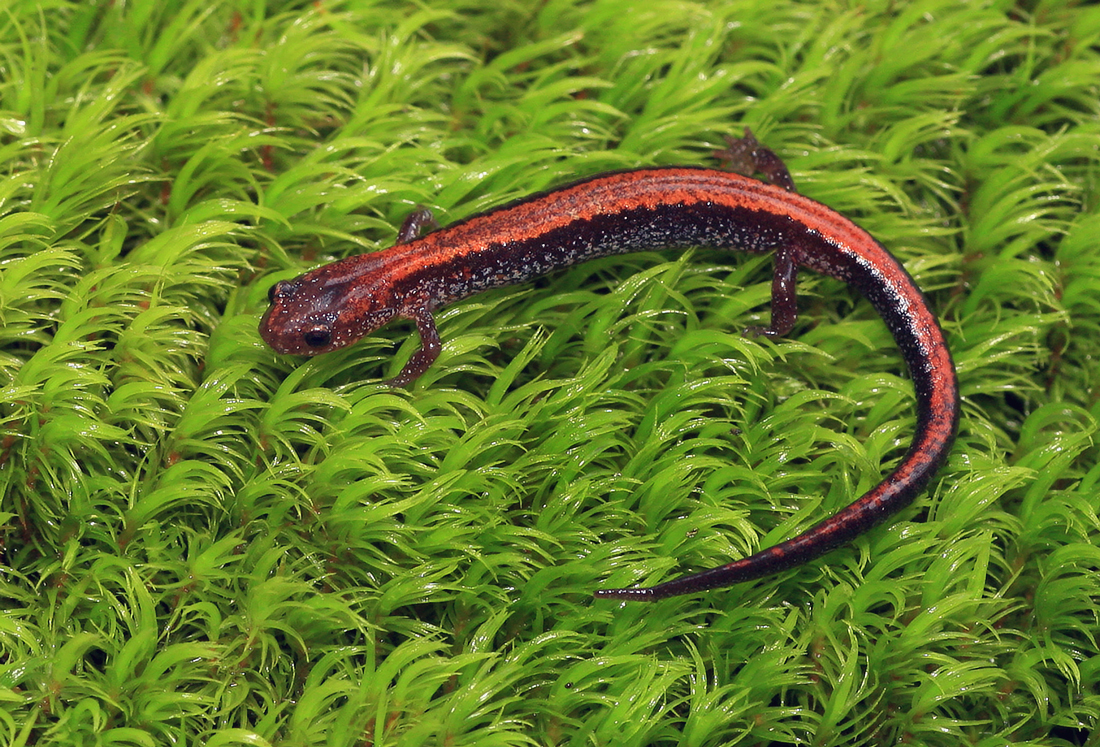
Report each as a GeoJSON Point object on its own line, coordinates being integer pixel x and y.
{"type": "Point", "coordinates": [339, 303]}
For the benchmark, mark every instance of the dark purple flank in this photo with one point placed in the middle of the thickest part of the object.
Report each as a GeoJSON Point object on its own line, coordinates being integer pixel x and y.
{"type": "Point", "coordinates": [335, 305]}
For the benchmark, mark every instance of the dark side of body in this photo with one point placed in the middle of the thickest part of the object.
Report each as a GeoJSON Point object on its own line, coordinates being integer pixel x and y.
{"type": "Point", "coordinates": [672, 207]}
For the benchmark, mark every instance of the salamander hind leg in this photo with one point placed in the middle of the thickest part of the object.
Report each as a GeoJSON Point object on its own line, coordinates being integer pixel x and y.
{"type": "Point", "coordinates": [784, 296]}
{"type": "Point", "coordinates": [414, 224]}
{"type": "Point", "coordinates": [746, 156]}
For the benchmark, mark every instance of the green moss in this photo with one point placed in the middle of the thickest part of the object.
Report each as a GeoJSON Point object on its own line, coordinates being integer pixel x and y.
{"type": "Point", "coordinates": [206, 543]}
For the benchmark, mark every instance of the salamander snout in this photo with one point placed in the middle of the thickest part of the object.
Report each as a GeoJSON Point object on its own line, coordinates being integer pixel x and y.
{"type": "Point", "coordinates": [291, 329]}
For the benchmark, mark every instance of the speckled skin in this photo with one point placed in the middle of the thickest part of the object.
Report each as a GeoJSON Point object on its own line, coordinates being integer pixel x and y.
{"type": "Point", "coordinates": [337, 304]}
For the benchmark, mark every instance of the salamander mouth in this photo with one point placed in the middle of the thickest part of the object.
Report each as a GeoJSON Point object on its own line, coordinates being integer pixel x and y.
{"type": "Point", "coordinates": [267, 330]}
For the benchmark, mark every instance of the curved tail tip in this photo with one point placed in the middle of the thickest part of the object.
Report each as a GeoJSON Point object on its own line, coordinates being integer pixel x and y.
{"type": "Point", "coordinates": [637, 594]}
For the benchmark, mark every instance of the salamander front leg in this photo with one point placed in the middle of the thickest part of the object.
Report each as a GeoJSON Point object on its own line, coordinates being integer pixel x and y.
{"type": "Point", "coordinates": [425, 356]}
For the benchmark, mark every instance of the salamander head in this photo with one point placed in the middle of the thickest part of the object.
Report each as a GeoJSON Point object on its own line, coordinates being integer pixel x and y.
{"type": "Point", "coordinates": [327, 309]}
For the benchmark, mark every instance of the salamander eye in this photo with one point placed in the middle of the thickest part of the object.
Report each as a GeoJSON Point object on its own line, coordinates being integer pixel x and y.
{"type": "Point", "coordinates": [273, 291]}
{"type": "Point", "coordinates": [317, 337]}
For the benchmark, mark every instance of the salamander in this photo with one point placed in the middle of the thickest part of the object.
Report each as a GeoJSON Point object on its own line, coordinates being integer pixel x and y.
{"type": "Point", "coordinates": [642, 209]}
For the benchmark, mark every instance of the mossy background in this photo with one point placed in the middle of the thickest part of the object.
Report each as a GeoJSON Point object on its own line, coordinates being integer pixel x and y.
{"type": "Point", "coordinates": [205, 543]}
